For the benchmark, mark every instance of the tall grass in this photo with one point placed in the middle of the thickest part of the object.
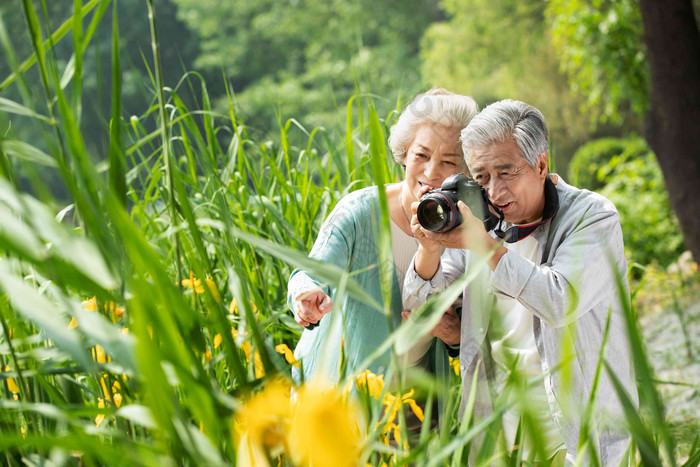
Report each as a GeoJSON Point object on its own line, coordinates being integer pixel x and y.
{"type": "Point", "coordinates": [141, 315]}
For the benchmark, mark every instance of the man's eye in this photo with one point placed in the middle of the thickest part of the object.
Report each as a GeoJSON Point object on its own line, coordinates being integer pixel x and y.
{"type": "Point", "coordinates": [451, 163]}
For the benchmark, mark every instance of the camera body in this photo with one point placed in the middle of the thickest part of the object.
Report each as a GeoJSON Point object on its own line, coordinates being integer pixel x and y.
{"type": "Point", "coordinates": [438, 212]}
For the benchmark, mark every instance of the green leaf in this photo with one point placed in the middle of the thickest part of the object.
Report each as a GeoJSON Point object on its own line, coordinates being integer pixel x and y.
{"type": "Point", "coordinates": [12, 107]}
{"type": "Point", "coordinates": [42, 312]}
{"type": "Point", "coordinates": [27, 152]}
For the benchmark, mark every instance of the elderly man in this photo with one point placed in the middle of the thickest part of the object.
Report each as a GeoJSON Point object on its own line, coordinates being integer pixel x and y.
{"type": "Point", "coordinates": [539, 313]}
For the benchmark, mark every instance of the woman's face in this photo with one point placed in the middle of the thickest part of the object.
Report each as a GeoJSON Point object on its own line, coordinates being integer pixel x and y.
{"type": "Point", "coordinates": [434, 154]}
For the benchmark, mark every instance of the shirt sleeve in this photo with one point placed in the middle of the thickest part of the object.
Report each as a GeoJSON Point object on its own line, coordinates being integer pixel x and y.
{"type": "Point", "coordinates": [333, 245]}
{"type": "Point", "coordinates": [580, 275]}
{"type": "Point", "coordinates": [417, 290]}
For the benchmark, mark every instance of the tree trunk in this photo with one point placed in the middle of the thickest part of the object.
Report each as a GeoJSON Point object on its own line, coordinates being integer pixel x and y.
{"type": "Point", "coordinates": [672, 125]}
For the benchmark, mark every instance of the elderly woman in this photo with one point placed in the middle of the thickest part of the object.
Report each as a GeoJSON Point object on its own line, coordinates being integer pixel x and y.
{"type": "Point", "coordinates": [425, 143]}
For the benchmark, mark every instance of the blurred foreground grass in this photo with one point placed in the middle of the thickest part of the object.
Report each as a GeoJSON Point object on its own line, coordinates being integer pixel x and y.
{"type": "Point", "coordinates": [144, 318]}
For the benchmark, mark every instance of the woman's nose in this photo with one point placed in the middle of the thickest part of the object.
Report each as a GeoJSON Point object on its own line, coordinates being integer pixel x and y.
{"type": "Point", "coordinates": [432, 170]}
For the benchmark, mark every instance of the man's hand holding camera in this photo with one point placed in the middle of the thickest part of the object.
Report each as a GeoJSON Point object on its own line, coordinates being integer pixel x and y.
{"type": "Point", "coordinates": [450, 229]}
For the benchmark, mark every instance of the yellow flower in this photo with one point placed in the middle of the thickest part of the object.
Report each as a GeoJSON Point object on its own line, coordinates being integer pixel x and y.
{"type": "Point", "coordinates": [233, 307]}
{"type": "Point", "coordinates": [261, 425]}
{"type": "Point", "coordinates": [118, 312]}
{"type": "Point", "coordinates": [288, 354]}
{"type": "Point", "coordinates": [245, 345]}
{"type": "Point", "coordinates": [217, 341]}
{"type": "Point", "coordinates": [100, 417]}
{"type": "Point", "coordinates": [324, 428]}
{"type": "Point", "coordinates": [73, 323]}
{"type": "Point", "coordinates": [208, 356]}
{"type": "Point", "coordinates": [11, 385]}
{"type": "Point", "coordinates": [90, 304]}
{"type": "Point", "coordinates": [193, 283]}
{"type": "Point", "coordinates": [98, 354]}
{"type": "Point", "coordinates": [454, 363]}
{"type": "Point", "coordinates": [393, 405]}
{"type": "Point", "coordinates": [370, 384]}
{"type": "Point", "coordinates": [197, 287]}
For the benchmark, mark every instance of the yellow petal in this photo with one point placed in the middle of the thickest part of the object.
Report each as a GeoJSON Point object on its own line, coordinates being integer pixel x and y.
{"type": "Point", "coordinates": [331, 421]}
{"type": "Point", "coordinates": [73, 323]}
{"type": "Point", "coordinates": [288, 354]}
{"type": "Point", "coordinates": [12, 386]}
{"type": "Point", "coordinates": [416, 409]}
{"type": "Point", "coordinates": [90, 304]}
{"type": "Point", "coordinates": [100, 417]}
{"type": "Point", "coordinates": [217, 341]}
{"type": "Point", "coordinates": [98, 354]}
{"type": "Point", "coordinates": [214, 291]}
{"type": "Point", "coordinates": [259, 368]}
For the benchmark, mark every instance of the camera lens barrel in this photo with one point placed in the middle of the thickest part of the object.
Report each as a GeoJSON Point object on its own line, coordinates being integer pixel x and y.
{"type": "Point", "coordinates": [438, 212]}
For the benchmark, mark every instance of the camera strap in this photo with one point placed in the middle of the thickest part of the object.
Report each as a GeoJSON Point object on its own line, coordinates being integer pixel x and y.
{"type": "Point", "coordinates": [518, 232]}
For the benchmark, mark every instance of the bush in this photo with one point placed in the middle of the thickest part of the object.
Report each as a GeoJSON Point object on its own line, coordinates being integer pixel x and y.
{"type": "Point", "coordinates": [626, 172]}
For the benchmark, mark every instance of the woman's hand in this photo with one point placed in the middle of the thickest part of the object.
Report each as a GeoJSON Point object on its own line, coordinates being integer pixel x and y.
{"type": "Point", "coordinates": [429, 245]}
{"type": "Point", "coordinates": [449, 327]}
{"type": "Point", "coordinates": [310, 306]}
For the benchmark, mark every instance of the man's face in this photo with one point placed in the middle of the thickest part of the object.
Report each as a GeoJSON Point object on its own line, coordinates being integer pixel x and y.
{"type": "Point", "coordinates": [434, 155]}
{"type": "Point", "coordinates": [512, 185]}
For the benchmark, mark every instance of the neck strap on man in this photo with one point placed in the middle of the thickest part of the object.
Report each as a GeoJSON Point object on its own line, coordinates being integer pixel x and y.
{"type": "Point", "coordinates": [518, 232]}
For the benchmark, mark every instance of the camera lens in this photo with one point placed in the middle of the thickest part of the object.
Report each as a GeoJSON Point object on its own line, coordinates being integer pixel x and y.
{"type": "Point", "coordinates": [435, 214]}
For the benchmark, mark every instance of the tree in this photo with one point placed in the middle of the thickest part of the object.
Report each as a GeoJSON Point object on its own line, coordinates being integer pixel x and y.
{"type": "Point", "coordinates": [673, 121]}
{"type": "Point", "coordinates": [646, 57]}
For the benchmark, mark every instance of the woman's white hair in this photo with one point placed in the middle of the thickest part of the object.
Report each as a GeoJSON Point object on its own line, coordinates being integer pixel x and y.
{"type": "Point", "coordinates": [435, 107]}
{"type": "Point", "coordinates": [505, 120]}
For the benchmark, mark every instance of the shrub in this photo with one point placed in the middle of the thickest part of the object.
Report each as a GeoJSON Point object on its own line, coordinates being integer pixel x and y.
{"type": "Point", "coordinates": [626, 172]}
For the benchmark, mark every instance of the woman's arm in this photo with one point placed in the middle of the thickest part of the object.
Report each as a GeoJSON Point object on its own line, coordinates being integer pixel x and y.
{"type": "Point", "coordinates": [308, 298]}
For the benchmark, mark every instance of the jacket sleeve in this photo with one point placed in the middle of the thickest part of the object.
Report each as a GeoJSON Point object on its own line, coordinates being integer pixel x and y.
{"type": "Point", "coordinates": [417, 290]}
{"type": "Point", "coordinates": [333, 245]}
{"type": "Point", "coordinates": [581, 273]}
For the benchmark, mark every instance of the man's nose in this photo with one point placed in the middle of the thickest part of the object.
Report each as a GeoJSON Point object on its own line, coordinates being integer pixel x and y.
{"type": "Point", "coordinates": [494, 188]}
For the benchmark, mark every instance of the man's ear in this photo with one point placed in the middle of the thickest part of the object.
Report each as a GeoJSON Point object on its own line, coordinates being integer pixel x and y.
{"type": "Point", "coordinates": [542, 165]}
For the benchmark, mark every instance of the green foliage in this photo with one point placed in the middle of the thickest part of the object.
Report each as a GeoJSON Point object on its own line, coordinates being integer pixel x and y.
{"type": "Point", "coordinates": [500, 49]}
{"type": "Point", "coordinates": [600, 47]}
{"type": "Point", "coordinates": [290, 57]}
{"type": "Point", "coordinates": [587, 168]}
{"type": "Point", "coordinates": [626, 172]}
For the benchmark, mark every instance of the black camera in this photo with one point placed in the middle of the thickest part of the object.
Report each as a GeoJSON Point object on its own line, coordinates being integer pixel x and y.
{"type": "Point", "coordinates": [438, 210]}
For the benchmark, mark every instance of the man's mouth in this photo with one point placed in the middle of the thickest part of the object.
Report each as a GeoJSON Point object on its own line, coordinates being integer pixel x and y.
{"type": "Point", "coordinates": [503, 207]}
